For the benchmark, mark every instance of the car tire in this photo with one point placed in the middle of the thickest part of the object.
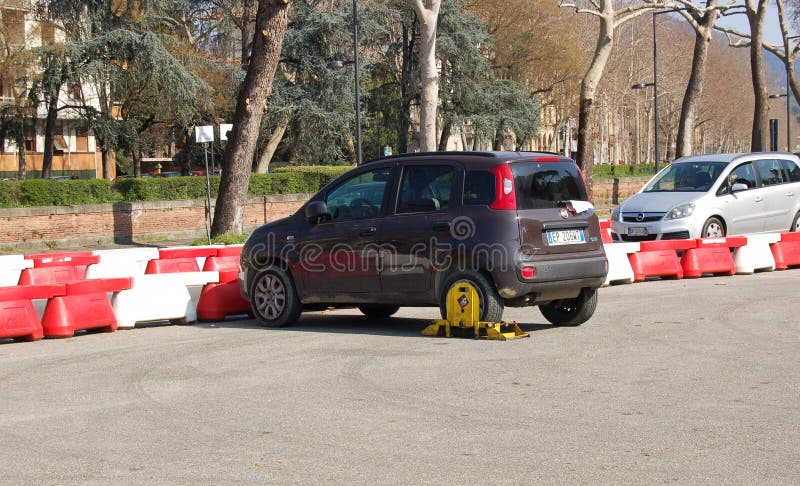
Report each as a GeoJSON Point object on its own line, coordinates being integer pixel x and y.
{"type": "Point", "coordinates": [571, 312]}
{"type": "Point", "coordinates": [273, 298]}
{"type": "Point", "coordinates": [378, 311]}
{"type": "Point", "coordinates": [795, 223]}
{"type": "Point", "coordinates": [713, 228]}
{"type": "Point", "coordinates": [491, 303]}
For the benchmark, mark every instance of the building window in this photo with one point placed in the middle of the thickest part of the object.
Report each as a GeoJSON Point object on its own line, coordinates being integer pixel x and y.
{"type": "Point", "coordinates": [14, 26]}
{"type": "Point", "coordinates": [48, 33]}
{"type": "Point", "coordinates": [82, 139]}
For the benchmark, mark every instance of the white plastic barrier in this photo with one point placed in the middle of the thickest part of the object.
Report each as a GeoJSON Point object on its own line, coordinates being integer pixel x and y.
{"type": "Point", "coordinates": [121, 262]}
{"type": "Point", "coordinates": [160, 297]}
{"type": "Point", "coordinates": [756, 254]}
{"type": "Point", "coordinates": [10, 268]}
{"type": "Point", "coordinates": [619, 267]}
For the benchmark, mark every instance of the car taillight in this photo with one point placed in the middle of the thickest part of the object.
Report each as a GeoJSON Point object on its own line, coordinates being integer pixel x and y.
{"type": "Point", "coordinates": [547, 158]}
{"type": "Point", "coordinates": [505, 196]}
{"type": "Point", "coordinates": [529, 272]}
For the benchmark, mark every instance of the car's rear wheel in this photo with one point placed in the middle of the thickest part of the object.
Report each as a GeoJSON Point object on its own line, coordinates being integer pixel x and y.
{"type": "Point", "coordinates": [571, 312]}
{"type": "Point", "coordinates": [491, 305]}
{"type": "Point", "coordinates": [273, 298]}
{"type": "Point", "coordinates": [713, 228]}
{"type": "Point", "coordinates": [377, 311]}
{"type": "Point", "coordinates": [796, 223]}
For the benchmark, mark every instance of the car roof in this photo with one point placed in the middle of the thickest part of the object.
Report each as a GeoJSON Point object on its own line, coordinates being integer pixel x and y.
{"type": "Point", "coordinates": [491, 158]}
{"type": "Point", "coordinates": [731, 157]}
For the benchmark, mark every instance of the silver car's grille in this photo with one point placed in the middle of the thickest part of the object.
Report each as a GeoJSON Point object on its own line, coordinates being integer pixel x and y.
{"type": "Point", "coordinates": [641, 217]}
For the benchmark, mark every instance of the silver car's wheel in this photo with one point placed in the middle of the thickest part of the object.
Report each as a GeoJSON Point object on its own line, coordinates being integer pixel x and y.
{"type": "Point", "coordinates": [795, 223]}
{"type": "Point", "coordinates": [713, 228]}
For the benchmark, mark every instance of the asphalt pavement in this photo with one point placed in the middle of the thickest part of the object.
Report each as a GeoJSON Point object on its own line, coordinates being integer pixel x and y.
{"type": "Point", "coordinates": [688, 381]}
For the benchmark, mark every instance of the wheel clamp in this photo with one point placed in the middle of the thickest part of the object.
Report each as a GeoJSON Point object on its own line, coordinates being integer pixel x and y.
{"type": "Point", "coordinates": [463, 311]}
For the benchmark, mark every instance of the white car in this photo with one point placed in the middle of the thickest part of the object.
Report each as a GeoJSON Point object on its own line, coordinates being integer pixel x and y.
{"type": "Point", "coordinates": [708, 196]}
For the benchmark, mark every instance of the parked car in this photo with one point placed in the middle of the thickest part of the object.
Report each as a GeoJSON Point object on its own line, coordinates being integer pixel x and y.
{"type": "Point", "coordinates": [404, 230]}
{"type": "Point", "coordinates": [714, 196]}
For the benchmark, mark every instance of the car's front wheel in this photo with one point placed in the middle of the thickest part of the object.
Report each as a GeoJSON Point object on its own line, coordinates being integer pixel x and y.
{"type": "Point", "coordinates": [796, 223]}
{"type": "Point", "coordinates": [571, 312]}
{"type": "Point", "coordinates": [273, 298]}
{"type": "Point", "coordinates": [713, 228]}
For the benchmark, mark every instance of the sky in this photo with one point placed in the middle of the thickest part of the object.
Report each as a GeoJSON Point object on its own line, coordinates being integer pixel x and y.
{"type": "Point", "coordinates": [772, 29]}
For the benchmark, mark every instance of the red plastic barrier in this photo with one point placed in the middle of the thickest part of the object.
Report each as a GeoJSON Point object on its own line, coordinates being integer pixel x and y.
{"type": "Point", "coordinates": [218, 300]}
{"type": "Point", "coordinates": [58, 254]}
{"type": "Point", "coordinates": [172, 265]}
{"type": "Point", "coordinates": [786, 251]}
{"type": "Point", "coordinates": [202, 251]}
{"type": "Point", "coordinates": [711, 256]}
{"type": "Point", "coordinates": [234, 250]}
{"type": "Point", "coordinates": [84, 305]}
{"type": "Point", "coordinates": [80, 262]}
{"type": "Point", "coordinates": [50, 275]}
{"type": "Point", "coordinates": [658, 259]}
{"type": "Point", "coordinates": [18, 317]}
{"type": "Point", "coordinates": [605, 227]}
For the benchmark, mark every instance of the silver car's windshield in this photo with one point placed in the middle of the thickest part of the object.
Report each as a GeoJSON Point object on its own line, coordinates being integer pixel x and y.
{"type": "Point", "coordinates": [687, 177]}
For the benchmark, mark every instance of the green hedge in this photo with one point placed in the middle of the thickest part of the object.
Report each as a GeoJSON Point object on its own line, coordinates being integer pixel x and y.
{"type": "Point", "coordinates": [607, 171]}
{"type": "Point", "coordinates": [41, 192]}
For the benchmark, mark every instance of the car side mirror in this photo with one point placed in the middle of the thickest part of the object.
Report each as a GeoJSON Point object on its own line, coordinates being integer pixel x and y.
{"type": "Point", "coordinates": [317, 211]}
{"type": "Point", "coordinates": [739, 187]}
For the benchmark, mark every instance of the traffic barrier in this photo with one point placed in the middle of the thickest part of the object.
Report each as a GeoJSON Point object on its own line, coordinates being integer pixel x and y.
{"type": "Point", "coordinates": [658, 258]}
{"type": "Point", "coordinates": [18, 318]}
{"type": "Point", "coordinates": [619, 266]}
{"type": "Point", "coordinates": [159, 297]}
{"type": "Point", "coordinates": [218, 300]}
{"type": "Point", "coordinates": [756, 255]}
{"type": "Point", "coordinates": [10, 268]}
{"type": "Point", "coordinates": [126, 256]}
{"type": "Point", "coordinates": [180, 259]}
{"type": "Point", "coordinates": [84, 305]}
{"type": "Point", "coordinates": [50, 275]}
{"type": "Point", "coordinates": [80, 262]}
{"type": "Point", "coordinates": [605, 231]}
{"type": "Point", "coordinates": [786, 251]}
{"type": "Point", "coordinates": [711, 256]}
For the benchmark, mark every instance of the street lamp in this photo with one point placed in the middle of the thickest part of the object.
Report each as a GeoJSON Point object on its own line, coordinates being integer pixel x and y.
{"type": "Point", "coordinates": [788, 125]}
{"type": "Point", "coordinates": [655, 102]}
{"type": "Point", "coordinates": [337, 64]}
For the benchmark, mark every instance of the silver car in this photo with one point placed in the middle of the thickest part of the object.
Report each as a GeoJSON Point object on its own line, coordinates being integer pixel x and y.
{"type": "Point", "coordinates": [712, 196]}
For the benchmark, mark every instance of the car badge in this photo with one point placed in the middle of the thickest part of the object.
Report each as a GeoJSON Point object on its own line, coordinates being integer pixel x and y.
{"type": "Point", "coordinates": [564, 213]}
{"type": "Point", "coordinates": [640, 217]}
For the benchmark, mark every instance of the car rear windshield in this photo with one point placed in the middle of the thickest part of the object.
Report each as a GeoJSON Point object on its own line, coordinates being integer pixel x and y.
{"type": "Point", "coordinates": [546, 184]}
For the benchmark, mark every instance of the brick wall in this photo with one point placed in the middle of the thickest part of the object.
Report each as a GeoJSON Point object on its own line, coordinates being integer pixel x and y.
{"type": "Point", "coordinates": [127, 223]}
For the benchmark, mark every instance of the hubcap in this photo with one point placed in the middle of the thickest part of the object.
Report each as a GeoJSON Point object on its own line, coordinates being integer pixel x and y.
{"type": "Point", "coordinates": [714, 230]}
{"type": "Point", "coordinates": [270, 296]}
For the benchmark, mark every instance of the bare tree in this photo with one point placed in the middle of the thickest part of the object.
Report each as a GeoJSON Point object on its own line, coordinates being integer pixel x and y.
{"type": "Point", "coordinates": [272, 18]}
{"type": "Point", "coordinates": [428, 15]}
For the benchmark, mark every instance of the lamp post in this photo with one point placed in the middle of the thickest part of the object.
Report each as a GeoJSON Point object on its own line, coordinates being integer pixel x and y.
{"type": "Point", "coordinates": [788, 125]}
{"type": "Point", "coordinates": [655, 109]}
{"type": "Point", "coordinates": [338, 64]}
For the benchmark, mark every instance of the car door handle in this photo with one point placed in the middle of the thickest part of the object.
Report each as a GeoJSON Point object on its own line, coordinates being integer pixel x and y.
{"type": "Point", "coordinates": [441, 226]}
{"type": "Point", "coordinates": [758, 199]}
{"type": "Point", "coordinates": [368, 231]}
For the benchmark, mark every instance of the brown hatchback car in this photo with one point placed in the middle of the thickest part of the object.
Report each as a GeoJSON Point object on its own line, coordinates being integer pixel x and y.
{"type": "Point", "coordinates": [403, 230]}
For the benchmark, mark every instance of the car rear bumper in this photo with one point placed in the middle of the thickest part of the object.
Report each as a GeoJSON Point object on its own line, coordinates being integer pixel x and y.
{"type": "Point", "coordinates": [571, 274]}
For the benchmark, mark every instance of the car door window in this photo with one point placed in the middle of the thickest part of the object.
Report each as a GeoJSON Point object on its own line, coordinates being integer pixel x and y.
{"type": "Point", "coordinates": [426, 188]}
{"type": "Point", "coordinates": [793, 170]}
{"type": "Point", "coordinates": [743, 174]}
{"type": "Point", "coordinates": [359, 197]}
{"type": "Point", "coordinates": [479, 188]}
{"type": "Point", "coordinates": [770, 171]}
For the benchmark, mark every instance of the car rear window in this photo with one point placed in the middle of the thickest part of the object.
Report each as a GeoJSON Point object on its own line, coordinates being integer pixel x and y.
{"type": "Point", "coordinates": [545, 184]}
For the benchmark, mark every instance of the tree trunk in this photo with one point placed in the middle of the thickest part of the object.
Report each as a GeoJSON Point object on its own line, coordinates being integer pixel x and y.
{"type": "Point", "coordinates": [106, 158]}
{"type": "Point", "coordinates": [447, 130]}
{"type": "Point", "coordinates": [248, 27]}
{"type": "Point", "coordinates": [272, 145]}
{"type": "Point", "coordinates": [272, 18]}
{"type": "Point", "coordinates": [405, 89]}
{"type": "Point", "coordinates": [22, 171]}
{"type": "Point", "coordinates": [429, 76]}
{"type": "Point", "coordinates": [694, 88]}
{"type": "Point", "coordinates": [136, 153]}
{"type": "Point", "coordinates": [591, 80]}
{"type": "Point", "coordinates": [756, 12]}
{"type": "Point", "coordinates": [49, 133]}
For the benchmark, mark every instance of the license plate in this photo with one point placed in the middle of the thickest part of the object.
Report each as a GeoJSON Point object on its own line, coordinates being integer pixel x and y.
{"type": "Point", "coordinates": [637, 231]}
{"type": "Point", "coordinates": [565, 237]}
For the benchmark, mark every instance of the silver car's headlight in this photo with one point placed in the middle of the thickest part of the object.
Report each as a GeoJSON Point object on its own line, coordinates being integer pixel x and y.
{"type": "Point", "coordinates": [615, 214]}
{"type": "Point", "coordinates": [678, 212]}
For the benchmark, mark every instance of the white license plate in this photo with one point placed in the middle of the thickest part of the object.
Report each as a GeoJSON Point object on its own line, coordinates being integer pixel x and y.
{"type": "Point", "coordinates": [637, 231]}
{"type": "Point", "coordinates": [565, 237]}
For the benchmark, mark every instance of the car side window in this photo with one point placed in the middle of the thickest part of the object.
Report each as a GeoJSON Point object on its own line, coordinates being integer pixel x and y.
{"type": "Point", "coordinates": [359, 197]}
{"type": "Point", "coordinates": [426, 188]}
{"type": "Point", "coordinates": [743, 174]}
{"type": "Point", "coordinates": [770, 171]}
{"type": "Point", "coordinates": [793, 170]}
{"type": "Point", "coordinates": [479, 188]}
